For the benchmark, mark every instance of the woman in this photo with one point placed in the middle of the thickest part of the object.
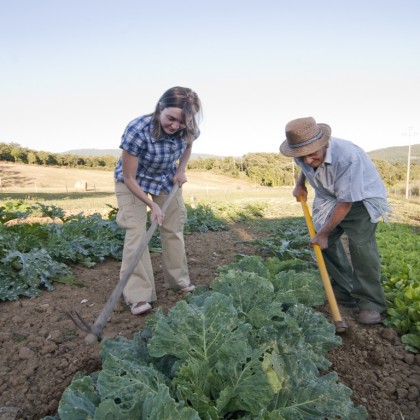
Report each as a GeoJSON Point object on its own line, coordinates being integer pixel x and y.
{"type": "Point", "coordinates": [152, 145]}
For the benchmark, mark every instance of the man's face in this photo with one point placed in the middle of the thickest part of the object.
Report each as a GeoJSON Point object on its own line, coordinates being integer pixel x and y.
{"type": "Point", "coordinates": [314, 159]}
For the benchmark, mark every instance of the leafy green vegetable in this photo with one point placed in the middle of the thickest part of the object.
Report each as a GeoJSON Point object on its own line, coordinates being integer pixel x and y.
{"type": "Point", "coordinates": [77, 239]}
{"type": "Point", "coordinates": [290, 241]}
{"type": "Point", "coordinates": [22, 274]}
{"type": "Point", "coordinates": [234, 351]}
{"type": "Point", "coordinates": [299, 287]}
{"type": "Point", "coordinates": [80, 400]}
{"type": "Point", "coordinates": [252, 264]}
{"type": "Point", "coordinates": [399, 247]}
{"type": "Point", "coordinates": [33, 255]}
{"type": "Point", "coordinates": [202, 218]}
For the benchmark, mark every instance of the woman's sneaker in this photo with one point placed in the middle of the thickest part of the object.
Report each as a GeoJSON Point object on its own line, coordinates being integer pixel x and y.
{"type": "Point", "coordinates": [188, 288]}
{"type": "Point", "coordinates": [140, 308]}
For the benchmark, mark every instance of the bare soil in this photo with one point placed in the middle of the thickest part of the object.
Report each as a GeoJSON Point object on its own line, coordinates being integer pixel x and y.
{"type": "Point", "coordinates": [41, 349]}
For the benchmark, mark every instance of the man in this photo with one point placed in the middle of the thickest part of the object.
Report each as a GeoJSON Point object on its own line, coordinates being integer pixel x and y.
{"type": "Point", "coordinates": [350, 198]}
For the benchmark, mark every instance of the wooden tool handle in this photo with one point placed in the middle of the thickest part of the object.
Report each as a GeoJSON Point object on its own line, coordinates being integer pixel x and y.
{"type": "Point", "coordinates": [99, 325]}
{"type": "Point", "coordinates": [338, 321]}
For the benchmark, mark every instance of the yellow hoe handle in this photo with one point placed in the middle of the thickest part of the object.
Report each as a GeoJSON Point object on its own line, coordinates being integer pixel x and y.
{"type": "Point", "coordinates": [340, 324]}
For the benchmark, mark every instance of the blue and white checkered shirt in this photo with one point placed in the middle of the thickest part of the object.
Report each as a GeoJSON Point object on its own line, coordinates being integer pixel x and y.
{"type": "Point", "coordinates": [157, 158]}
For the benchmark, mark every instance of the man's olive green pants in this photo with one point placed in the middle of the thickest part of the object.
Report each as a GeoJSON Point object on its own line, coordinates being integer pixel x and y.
{"type": "Point", "coordinates": [359, 279]}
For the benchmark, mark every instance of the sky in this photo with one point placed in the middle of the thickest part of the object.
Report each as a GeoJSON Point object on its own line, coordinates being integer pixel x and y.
{"type": "Point", "coordinates": [74, 73]}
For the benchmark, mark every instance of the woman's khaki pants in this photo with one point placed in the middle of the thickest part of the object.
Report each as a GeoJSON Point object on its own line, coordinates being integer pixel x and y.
{"type": "Point", "coordinates": [132, 216]}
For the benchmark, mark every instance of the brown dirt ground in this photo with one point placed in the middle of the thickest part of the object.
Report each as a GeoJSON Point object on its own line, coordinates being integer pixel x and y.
{"type": "Point", "coordinates": [41, 349]}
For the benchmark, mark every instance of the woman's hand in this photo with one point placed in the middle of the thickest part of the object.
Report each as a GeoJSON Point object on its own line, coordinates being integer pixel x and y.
{"type": "Point", "coordinates": [156, 214]}
{"type": "Point", "coordinates": [180, 178]}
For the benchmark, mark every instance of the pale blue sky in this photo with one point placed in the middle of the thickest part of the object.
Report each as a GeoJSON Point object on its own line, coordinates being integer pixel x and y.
{"type": "Point", "coordinates": [73, 73]}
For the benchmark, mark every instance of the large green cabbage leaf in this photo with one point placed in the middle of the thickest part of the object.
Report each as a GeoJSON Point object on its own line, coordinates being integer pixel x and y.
{"type": "Point", "coordinates": [247, 289]}
{"type": "Point", "coordinates": [304, 330]}
{"type": "Point", "coordinates": [219, 364]}
{"type": "Point", "coordinates": [299, 287]}
{"type": "Point", "coordinates": [234, 351]}
{"type": "Point", "coordinates": [123, 378]}
{"type": "Point", "coordinates": [79, 400]}
{"type": "Point", "coordinates": [202, 333]}
{"type": "Point", "coordinates": [315, 398]}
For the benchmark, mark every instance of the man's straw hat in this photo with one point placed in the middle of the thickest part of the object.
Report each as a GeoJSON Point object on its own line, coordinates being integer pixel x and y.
{"type": "Point", "coordinates": [304, 136]}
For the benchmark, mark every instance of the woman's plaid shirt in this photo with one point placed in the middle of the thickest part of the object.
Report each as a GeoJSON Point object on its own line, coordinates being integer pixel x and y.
{"type": "Point", "coordinates": [157, 158]}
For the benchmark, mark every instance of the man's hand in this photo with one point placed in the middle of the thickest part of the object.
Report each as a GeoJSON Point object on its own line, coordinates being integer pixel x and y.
{"type": "Point", "coordinates": [321, 240]}
{"type": "Point", "coordinates": [300, 191]}
{"type": "Point", "coordinates": [338, 213]}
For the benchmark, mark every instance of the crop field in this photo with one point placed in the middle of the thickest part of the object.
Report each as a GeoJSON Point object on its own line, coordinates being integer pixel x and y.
{"type": "Point", "coordinates": [58, 187]}
{"type": "Point", "coordinates": [254, 341]}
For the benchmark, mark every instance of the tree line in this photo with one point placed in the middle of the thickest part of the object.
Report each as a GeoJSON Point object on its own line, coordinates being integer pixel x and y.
{"type": "Point", "coordinates": [264, 169]}
{"type": "Point", "coordinates": [274, 169]}
{"type": "Point", "coordinates": [13, 152]}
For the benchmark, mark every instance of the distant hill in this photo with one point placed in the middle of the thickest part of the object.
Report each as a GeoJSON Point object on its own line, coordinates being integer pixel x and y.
{"type": "Point", "coordinates": [397, 154]}
{"type": "Point", "coordinates": [117, 153]}
{"type": "Point", "coordinates": [204, 156]}
{"type": "Point", "coordinates": [94, 152]}
{"type": "Point", "coordinates": [390, 154]}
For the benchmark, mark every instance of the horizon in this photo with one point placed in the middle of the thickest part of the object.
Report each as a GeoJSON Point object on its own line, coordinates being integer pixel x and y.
{"type": "Point", "coordinates": [72, 151]}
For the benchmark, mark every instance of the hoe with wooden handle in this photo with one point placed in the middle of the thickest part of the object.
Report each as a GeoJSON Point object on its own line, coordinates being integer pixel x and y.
{"type": "Point", "coordinates": [95, 331]}
{"type": "Point", "coordinates": [340, 324]}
